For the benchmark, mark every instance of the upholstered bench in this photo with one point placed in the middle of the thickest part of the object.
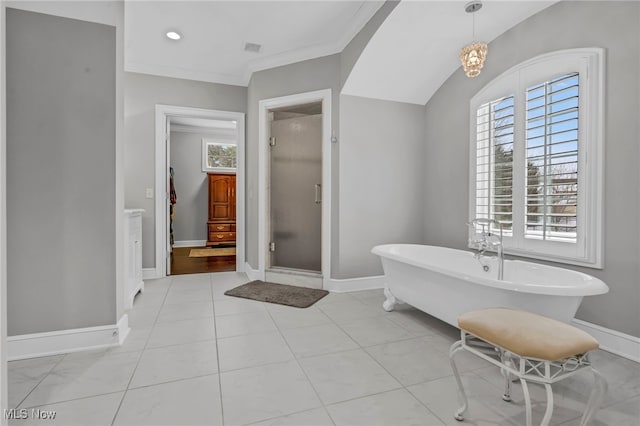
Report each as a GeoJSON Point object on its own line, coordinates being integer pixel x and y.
{"type": "Point", "coordinates": [531, 348]}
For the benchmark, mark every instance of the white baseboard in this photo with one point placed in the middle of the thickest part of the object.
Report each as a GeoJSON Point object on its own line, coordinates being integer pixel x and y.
{"type": "Point", "coordinates": [123, 329]}
{"type": "Point", "coordinates": [354, 284]}
{"type": "Point", "coordinates": [190, 243]}
{"type": "Point", "coordinates": [66, 341]}
{"type": "Point", "coordinates": [253, 274]}
{"type": "Point", "coordinates": [149, 273]}
{"type": "Point", "coordinates": [294, 278]}
{"type": "Point", "coordinates": [625, 345]}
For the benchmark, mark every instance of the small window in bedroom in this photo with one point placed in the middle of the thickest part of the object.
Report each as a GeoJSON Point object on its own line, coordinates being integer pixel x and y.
{"type": "Point", "coordinates": [218, 156]}
{"type": "Point", "coordinates": [536, 156]}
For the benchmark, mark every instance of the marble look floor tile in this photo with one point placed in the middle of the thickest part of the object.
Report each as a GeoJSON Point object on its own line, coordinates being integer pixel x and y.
{"type": "Point", "coordinates": [440, 396]}
{"type": "Point", "coordinates": [374, 331]}
{"type": "Point", "coordinates": [411, 361]}
{"type": "Point", "coordinates": [24, 375]}
{"type": "Point", "coordinates": [143, 317]}
{"type": "Point", "coordinates": [149, 300]}
{"type": "Point", "coordinates": [568, 403]}
{"type": "Point", "coordinates": [243, 324]}
{"type": "Point", "coordinates": [287, 317]}
{"type": "Point", "coordinates": [223, 281]}
{"type": "Point", "coordinates": [85, 388]}
{"type": "Point", "coordinates": [347, 375]}
{"type": "Point", "coordinates": [84, 375]}
{"type": "Point", "coordinates": [622, 375]}
{"type": "Point", "coordinates": [185, 403]}
{"type": "Point", "coordinates": [370, 296]}
{"type": "Point", "coordinates": [185, 279]}
{"type": "Point", "coordinates": [466, 361]}
{"type": "Point", "coordinates": [571, 398]}
{"type": "Point", "coordinates": [334, 298]}
{"type": "Point", "coordinates": [192, 295]}
{"type": "Point", "coordinates": [349, 310]}
{"type": "Point", "coordinates": [259, 393]}
{"type": "Point", "coordinates": [315, 417]}
{"type": "Point", "coordinates": [157, 284]}
{"type": "Point", "coordinates": [93, 411]}
{"type": "Point", "coordinates": [318, 340]}
{"type": "Point", "coordinates": [397, 407]}
{"type": "Point", "coordinates": [236, 305]}
{"type": "Point", "coordinates": [252, 350]}
{"type": "Point", "coordinates": [135, 342]}
{"type": "Point", "coordinates": [625, 413]}
{"type": "Point", "coordinates": [203, 285]}
{"type": "Point", "coordinates": [185, 311]}
{"type": "Point", "coordinates": [422, 324]}
{"type": "Point", "coordinates": [172, 363]}
{"type": "Point", "coordinates": [179, 332]}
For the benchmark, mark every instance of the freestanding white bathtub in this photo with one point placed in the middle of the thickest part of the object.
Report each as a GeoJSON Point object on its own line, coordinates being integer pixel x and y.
{"type": "Point", "coordinates": [446, 282]}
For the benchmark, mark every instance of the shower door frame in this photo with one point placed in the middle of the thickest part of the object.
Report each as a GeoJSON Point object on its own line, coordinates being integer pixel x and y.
{"type": "Point", "coordinates": [264, 126]}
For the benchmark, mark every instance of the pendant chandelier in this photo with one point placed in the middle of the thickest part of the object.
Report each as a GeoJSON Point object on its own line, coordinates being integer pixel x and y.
{"type": "Point", "coordinates": [473, 55]}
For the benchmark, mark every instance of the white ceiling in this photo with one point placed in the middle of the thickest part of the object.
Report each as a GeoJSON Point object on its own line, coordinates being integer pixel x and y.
{"type": "Point", "coordinates": [416, 48]}
{"type": "Point", "coordinates": [215, 32]}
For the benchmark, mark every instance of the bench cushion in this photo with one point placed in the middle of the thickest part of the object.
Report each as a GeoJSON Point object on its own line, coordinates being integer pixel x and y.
{"type": "Point", "coordinates": [526, 334]}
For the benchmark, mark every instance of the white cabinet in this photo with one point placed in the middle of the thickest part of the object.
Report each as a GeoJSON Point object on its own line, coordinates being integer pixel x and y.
{"type": "Point", "coordinates": [132, 255]}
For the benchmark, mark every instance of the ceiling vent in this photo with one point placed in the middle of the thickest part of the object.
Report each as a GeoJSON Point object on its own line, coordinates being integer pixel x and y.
{"type": "Point", "coordinates": [252, 47]}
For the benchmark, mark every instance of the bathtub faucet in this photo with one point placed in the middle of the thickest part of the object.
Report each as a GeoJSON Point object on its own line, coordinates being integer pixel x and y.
{"type": "Point", "coordinates": [481, 239]}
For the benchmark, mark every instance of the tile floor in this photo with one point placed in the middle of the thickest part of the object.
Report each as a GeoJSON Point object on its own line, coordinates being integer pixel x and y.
{"type": "Point", "coordinates": [198, 357]}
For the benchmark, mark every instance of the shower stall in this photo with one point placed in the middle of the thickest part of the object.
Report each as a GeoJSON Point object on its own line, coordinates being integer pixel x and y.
{"type": "Point", "coordinates": [294, 188]}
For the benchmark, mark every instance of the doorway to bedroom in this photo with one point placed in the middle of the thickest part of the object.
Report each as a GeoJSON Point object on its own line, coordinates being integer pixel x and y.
{"type": "Point", "coordinates": [202, 217]}
{"type": "Point", "coordinates": [202, 192]}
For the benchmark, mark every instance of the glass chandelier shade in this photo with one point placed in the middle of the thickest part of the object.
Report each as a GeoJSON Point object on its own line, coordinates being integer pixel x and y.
{"type": "Point", "coordinates": [472, 57]}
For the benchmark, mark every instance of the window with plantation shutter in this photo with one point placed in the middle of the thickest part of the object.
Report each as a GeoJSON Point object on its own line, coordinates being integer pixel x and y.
{"type": "Point", "coordinates": [552, 111]}
{"type": "Point", "coordinates": [537, 156]}
{"type": "Point", "coordinates": [494, 161]}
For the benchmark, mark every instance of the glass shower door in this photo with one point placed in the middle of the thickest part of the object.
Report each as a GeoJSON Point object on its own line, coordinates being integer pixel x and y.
{"type": "Point", "coordinates": [295, 195]}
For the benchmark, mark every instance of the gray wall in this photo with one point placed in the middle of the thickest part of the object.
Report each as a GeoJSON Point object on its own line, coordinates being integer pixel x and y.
{"type": "Point", "coordinates": [353, 50]}
{"type": "Point", "coordinates": [306, 76]}
{"type": "Point", "coordinates": [381, 175]}
{"type": "Point", "coordinates": [329, 72]}
{"type": "Point", "coordinates": [190, 181]}
{"type": "Point", "coordinates": [142, 93]}
{"type": "Point", "coordinates": [612, 25]}
{"type": "Point", "coordinates": [61, 129]}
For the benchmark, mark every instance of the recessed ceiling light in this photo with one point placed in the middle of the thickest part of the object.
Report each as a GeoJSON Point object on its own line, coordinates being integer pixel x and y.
{"type": "Point", "coordinates": [173, 35]}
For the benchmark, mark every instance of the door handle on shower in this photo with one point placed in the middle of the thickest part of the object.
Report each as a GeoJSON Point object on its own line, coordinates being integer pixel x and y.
{"type": "Point", "coordinates": [318, 189]}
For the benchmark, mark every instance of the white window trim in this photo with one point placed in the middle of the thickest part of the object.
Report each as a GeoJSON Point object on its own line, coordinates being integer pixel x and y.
{"type": "Point", "coordinates": [205, 166]}
{"type": "Point", "coordinates": [588, 251]}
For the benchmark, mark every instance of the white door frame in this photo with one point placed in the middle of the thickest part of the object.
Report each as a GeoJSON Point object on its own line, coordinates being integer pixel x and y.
{"type": "Point", "coordinates": [163, 113]}
{"type": "Point", "coordinates": [264, 106]}
{"type": "Point", "coordinates": [3, 222]}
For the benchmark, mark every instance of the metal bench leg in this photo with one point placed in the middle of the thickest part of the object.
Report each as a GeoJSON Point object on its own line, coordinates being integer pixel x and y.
{"type": "Point", "coordinates": [459, 414]}
{"type": "Point", "coordinates": [504, 359]}
{"type": "Point", "coordinates": [527, 400]}
{"type": "Point", "coordinates": [549, 411]}
{"type": "Point", "coordinates": [596, 397]}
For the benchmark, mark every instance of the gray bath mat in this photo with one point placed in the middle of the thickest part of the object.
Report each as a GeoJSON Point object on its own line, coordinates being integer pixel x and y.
{"type": "Point", "coordinates": [299, 297]}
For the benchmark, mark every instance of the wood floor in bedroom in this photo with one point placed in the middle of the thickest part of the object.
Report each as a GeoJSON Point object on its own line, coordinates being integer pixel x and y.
{"type": "Point", "coordinates": [182, 264]}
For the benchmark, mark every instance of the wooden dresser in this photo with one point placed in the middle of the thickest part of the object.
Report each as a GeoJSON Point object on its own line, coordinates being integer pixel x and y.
{"type": "Point", "coordinates": [221, 222]}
